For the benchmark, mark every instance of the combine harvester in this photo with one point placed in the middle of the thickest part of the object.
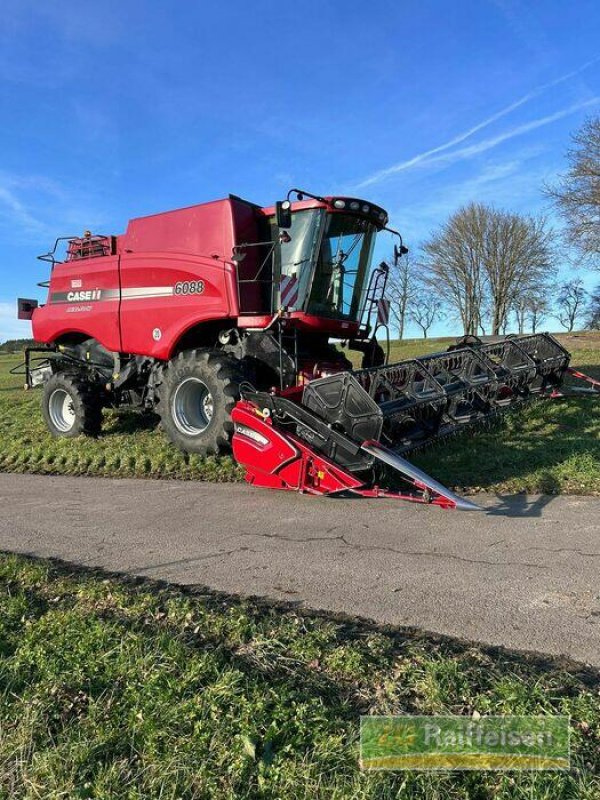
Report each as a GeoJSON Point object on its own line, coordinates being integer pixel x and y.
{"type": "Point", "coordinates": [220, 316]}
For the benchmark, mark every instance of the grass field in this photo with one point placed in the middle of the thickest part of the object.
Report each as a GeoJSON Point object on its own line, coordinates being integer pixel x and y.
{"type": "Point", "coordinates": [114, 689]}
{"type": "Point", "coordinates": [550, 447]}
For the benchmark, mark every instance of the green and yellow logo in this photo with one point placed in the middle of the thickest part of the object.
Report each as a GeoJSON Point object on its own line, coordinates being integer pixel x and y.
{"type": "Point", "coordinates": [455, 742]}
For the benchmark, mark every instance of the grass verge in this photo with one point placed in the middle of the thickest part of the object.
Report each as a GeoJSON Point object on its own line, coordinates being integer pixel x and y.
{"type": "Point", "coordinates": [548, 447]}
{"type": "Point", "coordinates": [121, 688]}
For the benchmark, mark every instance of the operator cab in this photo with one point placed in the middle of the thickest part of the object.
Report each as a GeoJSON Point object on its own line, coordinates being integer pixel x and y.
{"type": "Point", "coordinates": [322, 255]}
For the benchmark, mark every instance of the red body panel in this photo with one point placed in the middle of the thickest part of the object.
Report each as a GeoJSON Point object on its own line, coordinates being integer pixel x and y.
{"type": "Point", "coordinates": [152, 323]}
{"type": "Point", "coordinates": [68, 310]}
{"type": "Point", "coordinates": [202, 230]}
{"type": "Point", "coordinates": [309, 322]}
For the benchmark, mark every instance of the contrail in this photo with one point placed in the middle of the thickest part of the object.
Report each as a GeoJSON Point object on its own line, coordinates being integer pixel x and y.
{"type": "Point", "coordinates": [519, 130]}
{"type": "Point", "coordinates": [426, 156]}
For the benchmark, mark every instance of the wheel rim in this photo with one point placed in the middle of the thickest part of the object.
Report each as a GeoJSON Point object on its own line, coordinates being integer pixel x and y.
{"type": "Point", "coordinates": [192, 407]}
{"type": "Point", "coordinates": [61, 410]}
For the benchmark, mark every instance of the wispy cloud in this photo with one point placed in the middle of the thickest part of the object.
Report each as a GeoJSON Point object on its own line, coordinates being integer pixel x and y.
{"type": "Point", "coordinates": [16, 212]}
{"type": "Point", "coordinates": [432, 155]}
{"type": "Point", "coordinates": [20, 198]}
{"type": "Point", "coordinates": [37, 207]}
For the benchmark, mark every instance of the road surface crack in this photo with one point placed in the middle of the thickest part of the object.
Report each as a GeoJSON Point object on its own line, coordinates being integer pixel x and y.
{"type": "Point", "coordinates": [387, 549]}
{"type": "Point", "coordinates": [194, 560]}
{"type": "Point", "coordinates": [565, 550]}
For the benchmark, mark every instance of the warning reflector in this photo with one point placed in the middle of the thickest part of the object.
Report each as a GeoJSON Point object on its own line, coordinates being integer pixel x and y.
{"type": "Point", "coordinates": [383, 311]}
{"type": "Point", "coordinates": [289, 291]}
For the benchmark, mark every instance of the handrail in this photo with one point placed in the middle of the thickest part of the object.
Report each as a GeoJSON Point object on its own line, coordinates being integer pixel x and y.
{"type": "Point", "coordinates": [93, 240]}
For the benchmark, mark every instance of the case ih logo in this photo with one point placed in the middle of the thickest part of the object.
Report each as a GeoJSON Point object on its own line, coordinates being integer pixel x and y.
{"type": "Point", "coordinates": [87, 294]}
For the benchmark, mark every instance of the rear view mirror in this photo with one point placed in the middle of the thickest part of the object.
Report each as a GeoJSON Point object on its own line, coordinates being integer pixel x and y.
{"type": "Point", "coordinates": [283, 213]}
{"type": "Point", "coordinates": [399, 252]}
{"type": "Point", "coordinates": [25, 308]}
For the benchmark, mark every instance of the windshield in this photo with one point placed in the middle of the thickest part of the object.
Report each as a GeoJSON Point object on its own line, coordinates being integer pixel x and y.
{"type": "Point", "coordinates": [294, 258]}
{"type": "Point", "coordinates": [342, 267]}
{"type": "Point", "coordinates": [325, 262]}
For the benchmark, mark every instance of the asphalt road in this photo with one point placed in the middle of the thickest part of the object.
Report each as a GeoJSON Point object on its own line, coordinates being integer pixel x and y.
{"type": "Point", "coordinates": [523, 575]}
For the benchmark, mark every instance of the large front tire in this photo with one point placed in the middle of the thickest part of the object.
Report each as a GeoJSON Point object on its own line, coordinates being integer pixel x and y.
{"type": "Point", "coordinates": [71, 406]}
{"type": "Point", "coordinates": [198, 391]}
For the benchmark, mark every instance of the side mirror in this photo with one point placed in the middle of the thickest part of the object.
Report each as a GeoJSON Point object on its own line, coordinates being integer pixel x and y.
{"type": "Point", "coordinates": [399, 252]}
{"type": "Point", "coordinates": [283, 213]}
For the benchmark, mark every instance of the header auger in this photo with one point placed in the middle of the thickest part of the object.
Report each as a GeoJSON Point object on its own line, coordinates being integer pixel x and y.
{"type": "Point", "coordinates": [220, 317]}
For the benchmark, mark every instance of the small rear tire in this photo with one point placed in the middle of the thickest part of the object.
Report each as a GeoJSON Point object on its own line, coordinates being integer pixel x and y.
{"type": "Point", "coordinates": [71, 406]}
{"type": "Point", "coordinates": [198, 391]}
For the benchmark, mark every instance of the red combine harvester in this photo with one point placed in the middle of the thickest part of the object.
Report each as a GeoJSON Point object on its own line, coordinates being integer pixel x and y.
{"type": "Point", "coordinates": [220, 317]}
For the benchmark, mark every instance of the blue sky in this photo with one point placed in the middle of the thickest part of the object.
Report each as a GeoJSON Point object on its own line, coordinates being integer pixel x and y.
{"type": "Point", "coordinates": [116, 109]}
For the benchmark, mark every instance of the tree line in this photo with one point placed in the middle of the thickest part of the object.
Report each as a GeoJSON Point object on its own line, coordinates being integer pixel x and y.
{"type": "Point", "coordinates": [16, 345]}
{"type": "Point", "coordinates": [492, 270]}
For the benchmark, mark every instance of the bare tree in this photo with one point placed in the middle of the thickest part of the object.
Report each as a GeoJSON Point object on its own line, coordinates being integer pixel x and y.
{"type": "Point", "coordinates": [518, 256]}
{"type": "Point", "coordinates": [454, 263]}
{"type": "Point", "coordinates": [577, 194]}
{"type": "Point", "coordinates": [520, 309]}
{"type": "Point", "coordinates": [482, 260]}
{"type": "Point", "coordinates": [538, 309]}
{"type": "Point", "coordinates": [400, 289]}
{"type": "Point", "coordinates": [425, 307]}
{"type": "Point", "coordinates": [531, 308]}
{"type": "Point", "coordinates": [593, 311]}
{"type": "Point", "coordinates": [570, 303]}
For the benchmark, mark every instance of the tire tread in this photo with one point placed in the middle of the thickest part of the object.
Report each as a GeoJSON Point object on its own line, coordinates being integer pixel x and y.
{"type": "Point", "coordinates": [228, 375]}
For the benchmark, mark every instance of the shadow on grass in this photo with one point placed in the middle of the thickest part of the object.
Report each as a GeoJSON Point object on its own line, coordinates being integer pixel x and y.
{"type": "Point", "coordinates": [348, 628]}
{"type": "Point", "coordinates": [128, 421]}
